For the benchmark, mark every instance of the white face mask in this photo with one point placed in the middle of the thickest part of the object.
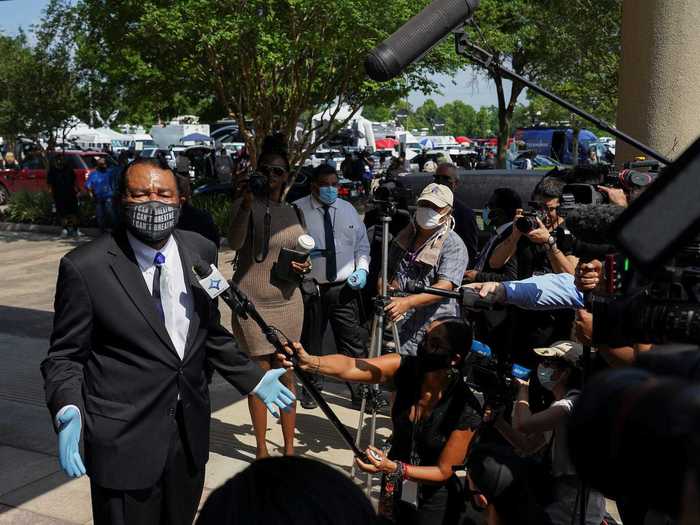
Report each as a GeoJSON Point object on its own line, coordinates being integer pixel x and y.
{"type": "Point", "coordinates": [428, 218]}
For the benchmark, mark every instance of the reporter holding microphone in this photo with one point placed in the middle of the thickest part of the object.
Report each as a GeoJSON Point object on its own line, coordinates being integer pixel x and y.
{"type": "Point", "coordinates": [433, 420]}
{"type": "Point", "coordinates": [261, 228]}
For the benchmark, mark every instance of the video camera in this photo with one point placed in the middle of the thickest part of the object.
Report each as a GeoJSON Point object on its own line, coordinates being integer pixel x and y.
{"type": "Point", "coordinates": [487, 378]}
{"type": "Point", "coordinates": [630, 179]}
{"type": "Point", "coordinates": [633, 422]}
{"type": "Point", "coordinates": [391, 196]}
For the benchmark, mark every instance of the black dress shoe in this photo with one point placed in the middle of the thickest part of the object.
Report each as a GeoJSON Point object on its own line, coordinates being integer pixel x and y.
{"type": "Point", "coordinates": [307, 402]}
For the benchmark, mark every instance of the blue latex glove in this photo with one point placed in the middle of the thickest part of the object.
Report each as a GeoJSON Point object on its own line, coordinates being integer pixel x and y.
{"type": "Point", "coordinates": [69, 443]}
{"type": "Point", "coordinates": [273, 393]}
{"type": "Point", "coordinates": [357, 279]}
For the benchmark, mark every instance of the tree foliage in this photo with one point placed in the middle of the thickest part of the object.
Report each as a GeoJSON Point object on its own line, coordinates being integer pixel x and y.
{"type": "Point", "coordinates": [269, 64]}
{"type": "Point", "coordinates": [571, 47]}
{"type": "Point", "coordinates": [41, 88]}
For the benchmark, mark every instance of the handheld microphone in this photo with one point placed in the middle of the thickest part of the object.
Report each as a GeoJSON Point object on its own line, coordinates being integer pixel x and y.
{"type": "Point", "coordinates": [468, 297]}
{"type": "Point", "coordinates": [210, 279]}
{"type": "Point", "coordinates": [416, 37]}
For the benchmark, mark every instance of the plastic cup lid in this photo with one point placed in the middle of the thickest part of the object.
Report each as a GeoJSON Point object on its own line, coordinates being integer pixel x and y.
{"type": "Point", "coordinates": [306, 243]}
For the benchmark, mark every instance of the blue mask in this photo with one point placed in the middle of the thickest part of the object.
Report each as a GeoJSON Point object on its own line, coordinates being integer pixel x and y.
{"type": "Point", "coordinates": [327, 194]}
{"type": "Point", "coordinates": [485, 215]}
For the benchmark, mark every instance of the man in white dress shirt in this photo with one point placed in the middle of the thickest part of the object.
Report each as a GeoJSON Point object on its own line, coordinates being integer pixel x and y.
{"type": "Point", "coordinates": [340, 267]}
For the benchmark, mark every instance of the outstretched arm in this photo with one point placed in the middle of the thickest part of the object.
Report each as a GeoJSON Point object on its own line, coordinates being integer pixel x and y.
{"type": "Point", "coordinates": [374, 371]}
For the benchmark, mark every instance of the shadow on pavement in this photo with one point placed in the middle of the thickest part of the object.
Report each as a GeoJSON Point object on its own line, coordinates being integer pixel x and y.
{"type": "Point", "coordinates": [25, 322]}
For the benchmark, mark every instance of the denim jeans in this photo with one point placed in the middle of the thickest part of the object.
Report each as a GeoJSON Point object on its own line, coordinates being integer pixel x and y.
{"type": "Point", "coordinates": [106, 216]}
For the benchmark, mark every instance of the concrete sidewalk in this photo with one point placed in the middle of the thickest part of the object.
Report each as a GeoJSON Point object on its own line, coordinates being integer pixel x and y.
{"type": "Point", "coordinates": [32, 488]}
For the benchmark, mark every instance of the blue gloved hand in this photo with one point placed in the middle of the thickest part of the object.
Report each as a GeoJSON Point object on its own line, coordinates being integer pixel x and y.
{"type": "Point", "coordinates": [357, 279]}
{"type": "Point", "coordinates": [69, 443]}
{"type": "Point", "coordinates": [273, 393]}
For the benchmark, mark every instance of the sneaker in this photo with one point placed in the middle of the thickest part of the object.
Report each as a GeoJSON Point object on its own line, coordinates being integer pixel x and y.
{"type": "Point", "coordinates": [64, 232]}
{"type": "Point", "coordinates": [307, 402]}
{"type": "Point", "coordinates": [78, 233]}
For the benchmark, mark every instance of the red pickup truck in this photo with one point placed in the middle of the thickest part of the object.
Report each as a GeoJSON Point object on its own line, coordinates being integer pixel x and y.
{"type": "Point", "coordinates": [31, 175]}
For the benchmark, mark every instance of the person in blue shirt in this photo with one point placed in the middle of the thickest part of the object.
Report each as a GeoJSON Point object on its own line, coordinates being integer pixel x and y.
{"type": "Point", "coordinates": [99, 184]}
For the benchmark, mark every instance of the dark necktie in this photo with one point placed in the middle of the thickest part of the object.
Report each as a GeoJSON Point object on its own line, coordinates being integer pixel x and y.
{"type": "Point", "coordinates": [331, 265]}
{"type": "Point", "coordinates": [159, 261]}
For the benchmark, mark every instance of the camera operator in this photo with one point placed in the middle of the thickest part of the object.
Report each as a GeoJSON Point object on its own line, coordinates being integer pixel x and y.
{"type": "Point", "coordinates": [557, 486]}
{"type": "Point", "coordinates": [432, 418]}
{"type": "Point", "coordinates": [537, 250]}
{"type": "Point", "coordinates": [465, 222]}
{"type": "Point", "coordinates": [537, 253]}
{"type": "Point", "coordinates": [261, 226]}
{"type": "Point", "coordinates": [427, 252]}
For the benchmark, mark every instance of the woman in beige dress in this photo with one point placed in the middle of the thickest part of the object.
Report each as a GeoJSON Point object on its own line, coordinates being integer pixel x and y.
{"type": "Point", "coordinates": [255, 218]}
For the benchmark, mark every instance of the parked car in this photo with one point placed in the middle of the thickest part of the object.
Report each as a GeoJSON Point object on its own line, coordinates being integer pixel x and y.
{"type": "Point", "coordinates": [32, 172]}
{"type": "Point", "coordinates": [150, 153]}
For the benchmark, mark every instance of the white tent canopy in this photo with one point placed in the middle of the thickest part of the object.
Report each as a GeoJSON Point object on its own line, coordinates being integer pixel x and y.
{"type": "Point", "coordinates": [362, 126]}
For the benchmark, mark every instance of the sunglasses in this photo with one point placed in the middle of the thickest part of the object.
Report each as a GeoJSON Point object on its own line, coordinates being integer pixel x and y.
{"type": "Point", "coordinates": [266, 169]}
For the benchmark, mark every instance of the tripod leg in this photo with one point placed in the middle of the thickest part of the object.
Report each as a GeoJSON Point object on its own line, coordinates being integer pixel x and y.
{"type": "Point", "coordinates": [363, 405]}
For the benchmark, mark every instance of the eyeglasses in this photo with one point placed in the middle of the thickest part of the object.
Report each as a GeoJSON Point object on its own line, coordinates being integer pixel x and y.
{"type": "Point", "coordinates": [266, 169]}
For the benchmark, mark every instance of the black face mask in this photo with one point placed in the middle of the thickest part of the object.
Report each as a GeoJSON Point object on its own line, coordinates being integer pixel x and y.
{"type": "Point", "coordinates": [151, 221]}
{"type": "Point", "coordinates": [433, 362]}
{"type": "Point", "coordinates": [430, 362]}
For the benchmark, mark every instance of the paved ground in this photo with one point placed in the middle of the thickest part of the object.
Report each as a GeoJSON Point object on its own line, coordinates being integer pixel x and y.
{"type": "Point", "coordinates": [32, 489]}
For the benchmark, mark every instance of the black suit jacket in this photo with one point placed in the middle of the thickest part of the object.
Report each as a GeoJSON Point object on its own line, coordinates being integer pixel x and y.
{"type": "Point", "coordinates": [509, 272]}
{"type": "Point", "coordinates": [111, 356]}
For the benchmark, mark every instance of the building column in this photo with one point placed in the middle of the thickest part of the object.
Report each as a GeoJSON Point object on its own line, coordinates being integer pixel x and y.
{"type": "Point", "coordinates": [659, 102]}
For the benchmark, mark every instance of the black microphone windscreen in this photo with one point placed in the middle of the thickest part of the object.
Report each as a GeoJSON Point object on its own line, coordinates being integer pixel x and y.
{"type": "Point", "coordinates": [202, 270]}
{"type": "Point", "coordinates": [591, 222]}
{"type": "Point", "coordinates": [416, 37]}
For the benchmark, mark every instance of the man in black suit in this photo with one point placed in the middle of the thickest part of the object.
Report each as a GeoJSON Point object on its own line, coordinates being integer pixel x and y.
{"type": "Point", "coordinates": [132, 333]}
{"type": "Point", "coordinates": [492, 327]}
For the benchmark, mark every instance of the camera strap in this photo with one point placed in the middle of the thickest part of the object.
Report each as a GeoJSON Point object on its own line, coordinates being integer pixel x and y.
{"type": "Point", "coordinates": [267, 232]}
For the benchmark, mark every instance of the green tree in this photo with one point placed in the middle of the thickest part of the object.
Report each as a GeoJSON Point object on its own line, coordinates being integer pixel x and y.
{"type": "Point", "coordinates": [571, 47]}
{"type": "Point", "coordinates": [269, 62]}
{"type": "Point", "coordinates": [584, 56]}
{"type": "Point", "coordinates": [460, 118]}
{"type": "Point", "coordinates": [42, 88]}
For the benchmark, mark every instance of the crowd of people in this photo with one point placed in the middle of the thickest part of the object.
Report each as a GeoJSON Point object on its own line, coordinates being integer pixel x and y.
{"type": "Point", "coordinates": [127, 387]}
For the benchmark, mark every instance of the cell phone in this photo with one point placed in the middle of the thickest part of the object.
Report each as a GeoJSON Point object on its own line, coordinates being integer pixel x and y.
{"type": "Point", "coordinates": [375, 455]}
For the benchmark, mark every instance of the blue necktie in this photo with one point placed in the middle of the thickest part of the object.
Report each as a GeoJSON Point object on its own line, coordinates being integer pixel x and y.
{"type": "Point", "coordinates": [159, 261]}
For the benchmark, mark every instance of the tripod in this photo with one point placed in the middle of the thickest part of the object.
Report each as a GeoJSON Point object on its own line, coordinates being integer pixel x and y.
{"type": "Point", "coordinates": [370, 394]}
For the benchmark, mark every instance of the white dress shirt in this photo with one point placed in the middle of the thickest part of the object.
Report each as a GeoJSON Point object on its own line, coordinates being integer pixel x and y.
{"type": "Point", "coordinates": [177, 303]}
{"type": "Point", "coordinates": [349, 232]}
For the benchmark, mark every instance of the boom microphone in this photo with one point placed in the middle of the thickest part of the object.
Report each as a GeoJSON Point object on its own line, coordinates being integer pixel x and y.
{"type": "Point", "coordinates": [416, 37]}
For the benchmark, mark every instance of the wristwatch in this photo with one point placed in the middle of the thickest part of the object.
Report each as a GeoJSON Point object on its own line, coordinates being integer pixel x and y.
{"type": "Point", "coordinates": [551, 243]}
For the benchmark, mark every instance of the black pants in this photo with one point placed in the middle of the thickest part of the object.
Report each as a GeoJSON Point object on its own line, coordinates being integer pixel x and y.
{"type": "Point", "coordinates": [172, 501]}
{"type": "Point", "coordinates": [339, 305]}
